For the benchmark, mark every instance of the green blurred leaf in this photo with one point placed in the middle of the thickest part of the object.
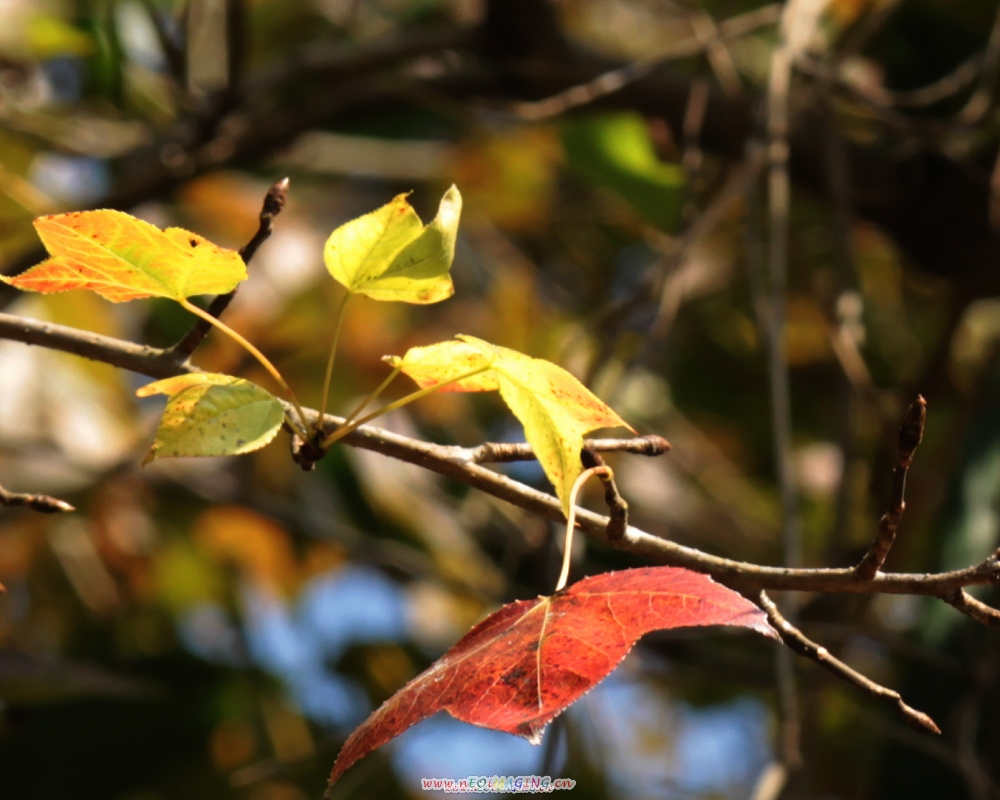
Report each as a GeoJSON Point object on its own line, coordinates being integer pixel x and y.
{"type": "Point", "coordinates": [616, 152]}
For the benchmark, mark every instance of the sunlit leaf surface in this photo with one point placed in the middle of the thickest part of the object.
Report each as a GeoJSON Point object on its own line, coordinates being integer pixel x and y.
{"type": "Point", "coordinates": [389, 255]}
{"type": "Point", "coordinates": [212, 415]}
{"type": "Point", "coordinates": [523, 665]}
{"type": "Point", "coordinates": [555, 409]}
{"type": "Point", "coordinates": [123, 258]}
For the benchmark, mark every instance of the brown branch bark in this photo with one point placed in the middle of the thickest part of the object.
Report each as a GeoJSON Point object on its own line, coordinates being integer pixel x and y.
{"type": "Point", "coordinates": [974, 608]}
{"type": "Point", "coordinates": [617, 506]}
{"type": "Point", "coordinates": [274, 203]}
{"type": "Point", "coordinates": [457, 463]}
{"type": "Point", "coordinates": [910, 434]}
{"type": "Point", "coordinates": [799, 643]}
{"type": "Point", "coordinates": [37, 502]}
{"type": "Point", "coordinates": [500, 452]}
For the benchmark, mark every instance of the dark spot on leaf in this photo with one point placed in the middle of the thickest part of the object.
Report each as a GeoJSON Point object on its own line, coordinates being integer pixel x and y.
{"type": "Point", "coordinates": [514, 676]}
{"type": "Point", "coordinates": [194, 242]}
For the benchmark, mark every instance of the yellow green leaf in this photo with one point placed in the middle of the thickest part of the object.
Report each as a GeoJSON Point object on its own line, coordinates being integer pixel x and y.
{"type": "Point", "coordinates": [555, 409]}
{"type": "Point", "coordinates": [445, 361]}
{"type": "Point", "coordinates": [389, 255]}
{"type": "Point", "coordinates": [123, 258]}
{"type": "Point", "coordinates": [212, 415]}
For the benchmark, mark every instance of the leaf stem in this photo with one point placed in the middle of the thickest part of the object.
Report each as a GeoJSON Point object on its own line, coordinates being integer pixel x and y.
{"type": "Point", "coordinates": [261, 358]}
{"type": "Point", "coordinates": [571, 519]}
{"type": "Point", "coordinates": [343, 430]}
{"type": "Point", "coordinates": [329, 363]}
{"type": "Point", "coordinates": [371, 397]}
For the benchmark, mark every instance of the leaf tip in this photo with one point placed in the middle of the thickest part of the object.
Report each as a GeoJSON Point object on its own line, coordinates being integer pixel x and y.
{"type": "Point", "coordinates": [764, 628]}
{"type": "Point", "coordinates": [450, 208]}
{"type": "Point", "coordinates": [532, 733]}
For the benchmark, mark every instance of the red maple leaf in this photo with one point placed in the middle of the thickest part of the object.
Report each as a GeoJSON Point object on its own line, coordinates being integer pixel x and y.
{"type": "Point", "coordinates": [520, 667]}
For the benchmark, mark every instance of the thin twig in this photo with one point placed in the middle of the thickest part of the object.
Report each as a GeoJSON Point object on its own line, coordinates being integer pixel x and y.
{"type": "Point", "coordinates": [982, 98]}
{"type": "Point", "coordinates": [36, 502]}
{"type": "Point", "coordinates": [617, 506]}
{"type": "Point", "coordinates": [797, 22]}
{"type": "Point", "coordinates": [910, 434]}
{"type": "Point", "coordinates": [502, 452]}
{"type": "Point", "coordinates": [967, 604]}
{"type": "Point", "coordinates": [620, 77]}
{"type": "Point", "coordinates": [694, 118]}
{"type": "Point", "coordinates": [718, 55]}
{"type": "Point", "coordinates": [844, 314]}
{"type": "Point", "coordinates": [668, 281]}
{"type": "Point", "coordinates": [173, 53]}
{"type": "Point", "coordinates": [797, 641]}
{"type": "Point", "coordinates": [995, 194]}
{"type": "Point", "coordinates": [944, 87]}
{"type": "Point", "coordinates": [143, 359]}
{"type": "Point", "coordinates": [777, 279]}
{"type": "Point", "coordinates": [274, 202]}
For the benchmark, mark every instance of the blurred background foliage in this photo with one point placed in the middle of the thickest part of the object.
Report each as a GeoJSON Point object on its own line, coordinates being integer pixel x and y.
{"type": "Point", "coordinates": [214, 628]}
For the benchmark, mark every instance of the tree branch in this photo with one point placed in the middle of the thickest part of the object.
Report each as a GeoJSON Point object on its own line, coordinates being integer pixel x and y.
{"type": "Point", "coordinates": [274, 202]}
{"type": "Point", "coordinates": [457, 463]}
{"type": "Point", "coordinates": [976, 609]}
{"type": "Point", "coordinates": [498, 452]}
{"type": "Point", "coordinates": [37, 502]}
{"type": "Point", "coordinates": [145, 360]}
{"type": "Point", "coordinates": [910, 434]}
{"type": "Point", "coordinates": [797, 641]}
{"type": "Point", "coordinates": [617, 505]}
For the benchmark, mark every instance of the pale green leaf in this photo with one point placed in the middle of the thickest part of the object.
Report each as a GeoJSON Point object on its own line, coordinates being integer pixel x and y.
{"type": "Point", "coordinates": [212, 415]}
{"type": "Point", "coordinates": [389, 255]}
